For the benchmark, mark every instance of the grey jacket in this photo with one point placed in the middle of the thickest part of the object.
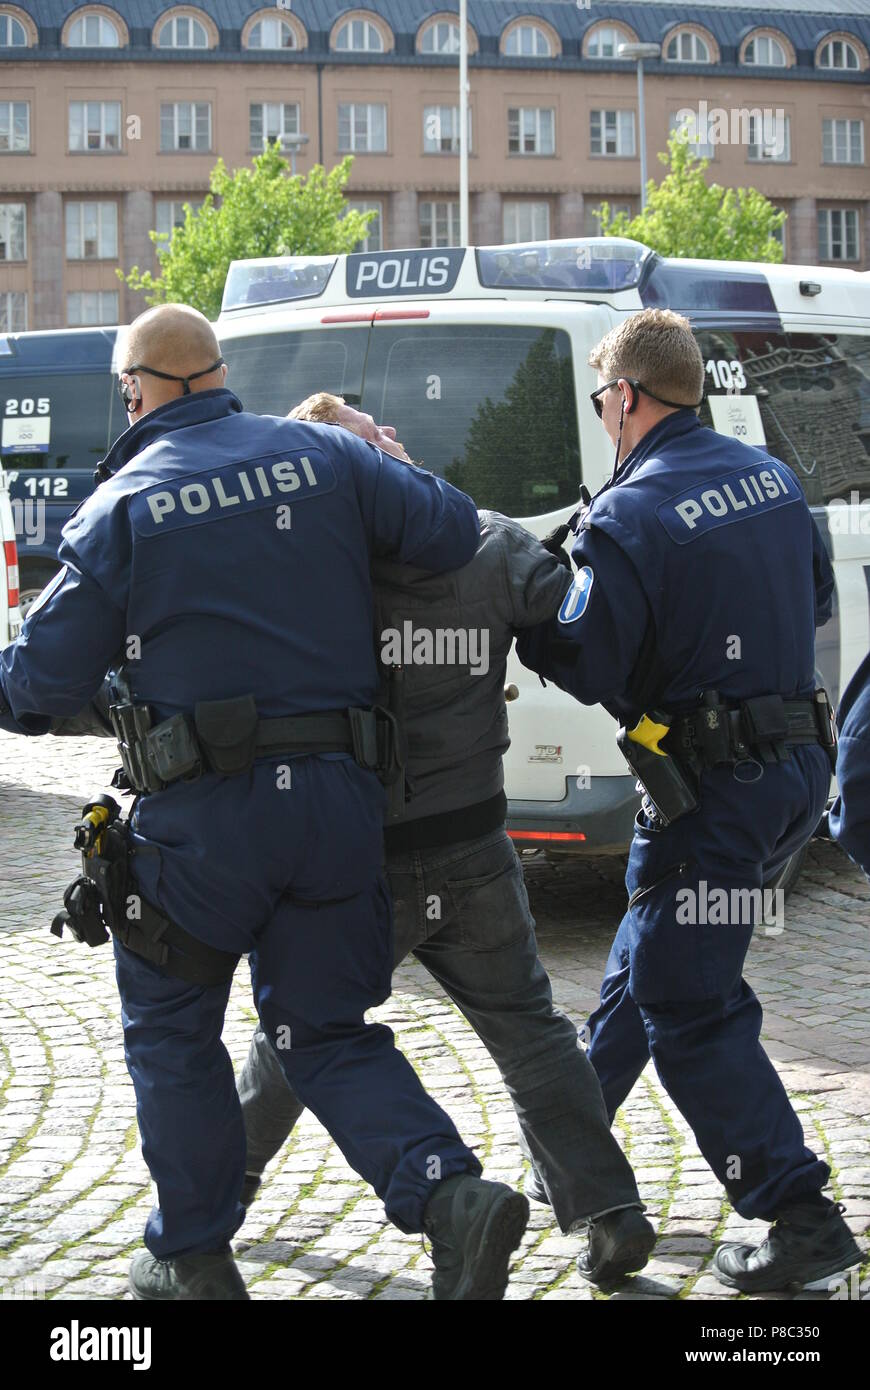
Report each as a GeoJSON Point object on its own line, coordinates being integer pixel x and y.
{"type": "Point", "coordinates": [456, 721]}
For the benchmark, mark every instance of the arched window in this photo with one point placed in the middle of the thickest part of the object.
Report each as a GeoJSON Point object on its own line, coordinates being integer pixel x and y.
{"type": "Point", "coordinates": [359, 36]}
{"type": "Point", "coordinates": [12, 32]}
{"type": "Point", "coordinates": [183, 31]}
{"type": "Point", "coordinates": [604, 41]}
{"type": "Point", "coordinates": [765, 52]}
{"type": "Point", "coordinates": [687, 47]}
{"type": "Point", "coordinates": [840, 55]}
{"type": "Point", "coordinates": [271, 33]}
{"type": "Point", "coordinates": [440, 37]}
{"type": "Point", "coordinates": [93, 31]}
{"type": "Point", "coordinates": [527, 41]}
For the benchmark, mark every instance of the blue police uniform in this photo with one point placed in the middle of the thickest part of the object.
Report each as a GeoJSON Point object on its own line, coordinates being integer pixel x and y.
{"type": "Point", "coordinates": [700, 569]}
{"type": "Point", "coordinates": [229, 554]}
{"type": "Point", "coordinates": [849, 820]}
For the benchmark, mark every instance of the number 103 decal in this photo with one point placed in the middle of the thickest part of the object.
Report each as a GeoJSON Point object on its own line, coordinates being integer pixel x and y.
{"type": "Point", "coordinates": [728, 376]}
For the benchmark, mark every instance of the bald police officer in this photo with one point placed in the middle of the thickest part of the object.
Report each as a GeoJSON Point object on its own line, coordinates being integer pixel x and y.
{"type": "Point", "coordinates": [225, 561]}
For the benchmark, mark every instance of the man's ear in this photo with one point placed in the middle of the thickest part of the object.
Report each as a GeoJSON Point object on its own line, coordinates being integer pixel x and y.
{"type": "Point", "coordinates": [224, 370]}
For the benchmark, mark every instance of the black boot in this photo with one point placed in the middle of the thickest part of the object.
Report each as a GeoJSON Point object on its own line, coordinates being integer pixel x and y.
{"type": "Point", "coordinates": [620, 1243]}
{"type": "Point", "coordinates": [214, 1276]}
{"type": "Point", "coordinates": [474, 1227]}
{"type": "Point", "coordinates": [808, 1243]}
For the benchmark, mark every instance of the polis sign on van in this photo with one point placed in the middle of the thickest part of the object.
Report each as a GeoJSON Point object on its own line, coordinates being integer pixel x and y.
{"type": "Point", "coordinates": [403, 272]}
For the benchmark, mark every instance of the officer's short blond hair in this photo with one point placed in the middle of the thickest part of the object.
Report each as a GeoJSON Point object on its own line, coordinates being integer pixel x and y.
{"type": "Point", "coordinates": [657, 348]}
{"type": "Point", "coordinates": [320, 409]}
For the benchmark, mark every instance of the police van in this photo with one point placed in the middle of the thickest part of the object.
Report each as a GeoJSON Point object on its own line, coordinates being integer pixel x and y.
{"type": "Point", "coordinates": [10, 617]}
{"type": "Point", "coordinates": [58, 415]}
{"type": "Point", "coordinates": [478, 357]}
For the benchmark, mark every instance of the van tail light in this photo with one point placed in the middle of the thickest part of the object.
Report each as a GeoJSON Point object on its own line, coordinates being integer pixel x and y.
{"type": "Point", "coordinates": [10, 556]}
{"type": "Point", "coordinates": [549, 835]}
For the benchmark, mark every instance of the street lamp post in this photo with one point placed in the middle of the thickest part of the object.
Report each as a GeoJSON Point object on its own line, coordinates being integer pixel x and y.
{"type": "Point", "coordinates": [640, 51]}
{"type": "Point", "coordinates": [294, 143]}
{"type": "Point", "coordinates": [463, 122]}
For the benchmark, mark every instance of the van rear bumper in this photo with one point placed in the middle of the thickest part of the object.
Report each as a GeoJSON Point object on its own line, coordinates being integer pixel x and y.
{"type": "Point", "coordinates": [602, 814]}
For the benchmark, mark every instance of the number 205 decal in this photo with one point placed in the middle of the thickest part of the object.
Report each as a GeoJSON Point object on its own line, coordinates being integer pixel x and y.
{"type": "Point", "coordinates": [26, 405]}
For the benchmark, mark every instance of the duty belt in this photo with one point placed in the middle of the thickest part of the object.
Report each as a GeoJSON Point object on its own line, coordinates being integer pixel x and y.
{"type": "Point", "coordinates": [762, 728]}
{"type": "Point", "coordinates": [225, 736]}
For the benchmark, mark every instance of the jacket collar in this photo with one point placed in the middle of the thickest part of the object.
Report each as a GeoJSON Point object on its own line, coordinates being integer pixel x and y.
{"type": "Point", "coordinates": [195, 409]}
{"type": "Point", "coordinates": [674, 426]}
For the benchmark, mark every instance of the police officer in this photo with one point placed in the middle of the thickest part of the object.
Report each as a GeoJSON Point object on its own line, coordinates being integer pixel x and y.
{"type": "Point", "coordinates": [700, 575]}
{"type": "Point", "coordinates": [225, 560]}
{"type": "Point", "coordinates": [849, 820]}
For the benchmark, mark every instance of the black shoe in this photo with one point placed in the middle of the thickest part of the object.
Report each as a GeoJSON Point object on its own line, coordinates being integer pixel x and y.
{"type": "Point", "coordinates": [250, 1188]}
{"type": "Point", "coordinates": [808, 1244]}
{"type": "Point", "coordinates": [212, 1276]}
{"type": "Point", "coordinates": [474, 1227]}
{"type": "Point", "coordinates": [620, 1243]}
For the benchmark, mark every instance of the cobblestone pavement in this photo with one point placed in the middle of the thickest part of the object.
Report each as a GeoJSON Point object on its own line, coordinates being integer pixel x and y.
{"type": "Point", "coordinates": [74, 1191]}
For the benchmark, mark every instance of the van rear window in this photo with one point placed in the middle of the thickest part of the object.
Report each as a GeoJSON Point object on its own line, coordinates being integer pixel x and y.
{"type": "Point", "coordinates": [813, 395]}
{"type": "Point", "coordinates": [490, 408]}
{"type": "Point", "coordinates": [54, 421]}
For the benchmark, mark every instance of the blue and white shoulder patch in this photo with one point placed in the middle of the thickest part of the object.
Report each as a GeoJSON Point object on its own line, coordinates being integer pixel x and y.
{"type": "Point", "coordinates": [576, 601]}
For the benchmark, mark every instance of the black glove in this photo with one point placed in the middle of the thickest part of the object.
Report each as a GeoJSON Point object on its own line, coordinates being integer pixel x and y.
{"type": "Point", "coordinates": [554, 542]}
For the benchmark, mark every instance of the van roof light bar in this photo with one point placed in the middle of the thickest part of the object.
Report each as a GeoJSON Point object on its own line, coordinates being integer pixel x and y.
{"type": "Point", "coordinates": [608, 264]}
{"type": "Point", "coordinates": [276, 279]}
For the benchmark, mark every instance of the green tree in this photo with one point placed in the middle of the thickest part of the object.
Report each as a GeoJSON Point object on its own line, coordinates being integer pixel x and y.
{"type": "Point", "coordinates": [262, 212]}
{"type": "Point", "coordinates": [687, 216]}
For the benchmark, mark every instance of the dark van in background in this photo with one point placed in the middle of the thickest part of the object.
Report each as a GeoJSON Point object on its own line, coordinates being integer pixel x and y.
{"type": "Point", "coordinates": [58, 415]}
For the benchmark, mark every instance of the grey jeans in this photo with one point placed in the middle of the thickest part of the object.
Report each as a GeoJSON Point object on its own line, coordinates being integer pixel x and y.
{"type": "Point", "coordinates": [464, 912]}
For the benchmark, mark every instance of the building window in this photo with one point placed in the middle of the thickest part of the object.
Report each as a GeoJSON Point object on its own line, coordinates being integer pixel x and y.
{"type": "Point", "coordinates": [439, 224]}
{"type": "Point", "coordinates": [770, 137]}
{"type": "Point", "coordinates": [359, 36]}
{"type": "Point", "coordinates": [170, 214]}
{"type": "Point", "coordinates": [86, 307]}
{"type": "Point", "coordinates": [271, 33]}
{"type": "Point", "coordinates": [440, 37]}
{"type": "Point", "coordinates": [185, 125]}
{"type": "Point", "coordinates": [765, 52]}
{"type": "Point", "coordinates": [702, 149]}
{"type": "Point", "coordinates": [12, 32]}
{"type": "Point", "coordinates": [526, 221]}
{"type": "Point", "coordinates": [183, 31]}
{"type": "Point", "coordinates": [362, 127]}
{"type": "Point", "coordinates": [91, 231]}
{"type": "Point", "coordinates": [531, 130]}
{"type": "Point", "coordinates": [95, 125]}
{"type": "Point", "coordinates": [13, 232]}
{"type": "Point", "coordinates": [779, 235]}
{"type": "Point", "coordinates": [13, 312]}
{"type": "Point", "coordinates": [592, 224]}
{"type": "Point", "coordinates": [611, 132]}
{"type": "Point", "coordinates": [527, 41]}
{"type": "Point", "coordinates": [14, 126]}
{"type": "Point", "coordinates": [840, 55]}
{"type": "Point", "coordinates": [273, 120]}
{"type": "Point", "coordinates": [842, 142]}
{"type": "Point", "coordinates": [93, 31]}
{"type": "Point", "coordinates": [838, 234]}
{"type": "Point", "coordinates": [604, 42]}
{"type": "Point", "coordinates": [441, 130]}
{"type": "Point", "coordinates": [687, 47]}
{"type": "Point", "coordinates": [375, 239]}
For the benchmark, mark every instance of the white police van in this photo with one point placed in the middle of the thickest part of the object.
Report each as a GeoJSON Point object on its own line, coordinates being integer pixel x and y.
{"type": "Point", "coordinates": [478, 356]}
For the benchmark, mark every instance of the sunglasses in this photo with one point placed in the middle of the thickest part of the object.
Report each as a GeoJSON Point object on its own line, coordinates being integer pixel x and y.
{"type": "Point", "coordinates": [595, 396]}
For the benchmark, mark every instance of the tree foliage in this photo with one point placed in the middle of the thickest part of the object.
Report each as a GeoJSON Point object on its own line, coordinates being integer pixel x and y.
{"type": "Point", "coordinates": [259, 210]}
{"type": "Point", "coordinates": [687, 216]}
